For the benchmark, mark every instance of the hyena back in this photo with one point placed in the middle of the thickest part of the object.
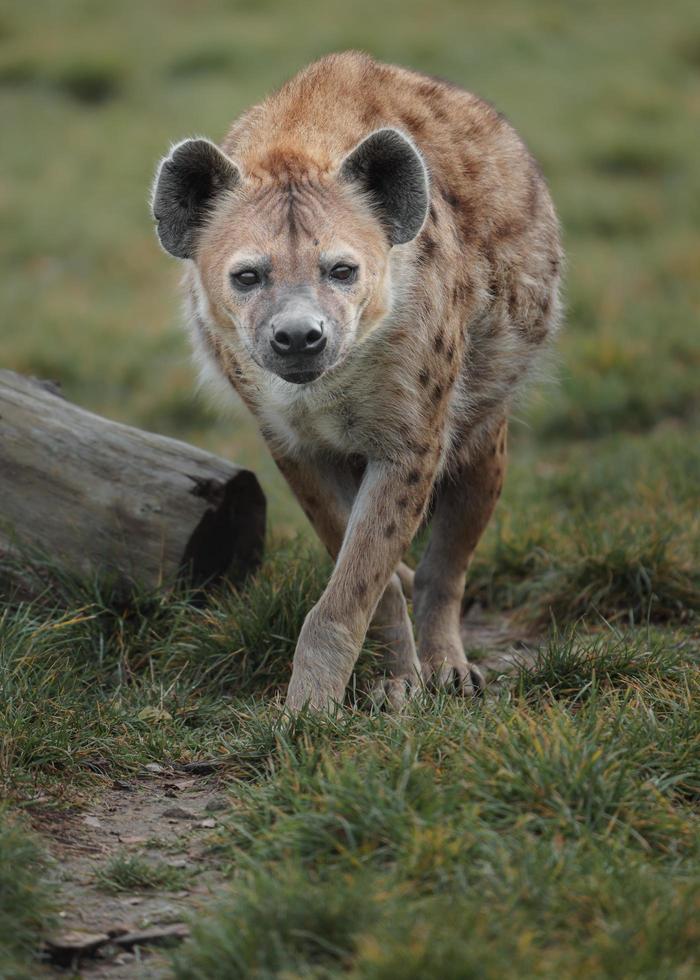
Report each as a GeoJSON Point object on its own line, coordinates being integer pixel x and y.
{"type": "Point", "coordinates": [372, 264]}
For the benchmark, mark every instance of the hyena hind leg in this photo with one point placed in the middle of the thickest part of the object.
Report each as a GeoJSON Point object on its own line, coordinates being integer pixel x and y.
{"type": "Point", "coordinates": [406, 577]}
{"type": "Point", "coordinates": [391, 627]}
{"type": "Point", "coordinates": [462, 511]}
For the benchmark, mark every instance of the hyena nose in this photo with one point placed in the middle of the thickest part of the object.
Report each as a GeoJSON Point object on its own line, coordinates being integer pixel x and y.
{"type": "Point", "coordinates": [302, 336]}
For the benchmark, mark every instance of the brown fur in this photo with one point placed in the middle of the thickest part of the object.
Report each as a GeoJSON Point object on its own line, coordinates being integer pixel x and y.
{"type": "Point", "coordinates": [446, 327]}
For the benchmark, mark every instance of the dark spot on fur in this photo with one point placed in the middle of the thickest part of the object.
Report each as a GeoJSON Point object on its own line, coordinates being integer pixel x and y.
{"type": "Point", "coordinates": [464, 211]}
{"type": "Point", "coordinates": [494, 278]}
{"type": "Point", "coordinates": [402, 502]}
{"type": "Point", "coordinates": [390, 530]}
{"type": "Point", "coordinates": [413, 477]}
{"type": "Point", "coordinates": [424, 377]}
{"type": "Point", "coordinates": [437, 393]}
{"type": "Point", "coordinates": [506, 229]}
{"type": "Point", "coordinates": [433, 214]}
{"type": "Point", "coordinates": [451, 350]}
{"type": "Point", "coordinates": [361, 589]}
{"type": "Point", "coordinates": [429, 89]}
{"type": "Point", "coordinates": [428, 247]}
{"type": "Point", "coordinates": [512, 304]}
{"type": "Point", "coordinates": [450, 198]}
{"type": "Point", "coordinates": [537, 332]}
{"type": "Point", "coordinates": [439, 342]}
{"type": "Point", "coordinates": [413, 123]}
{"type": "Point", "coordinates": [349, 418]}
{"type": "Point", "coordinates": [471, 168]}
{"type": "Point", "coordinates": [371, 112]}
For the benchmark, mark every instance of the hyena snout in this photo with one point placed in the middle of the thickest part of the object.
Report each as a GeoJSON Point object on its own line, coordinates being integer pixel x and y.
{"type": "Point", "coordinates": [295, 335]}
{"type": "Point", "coordinates": [299, 341]}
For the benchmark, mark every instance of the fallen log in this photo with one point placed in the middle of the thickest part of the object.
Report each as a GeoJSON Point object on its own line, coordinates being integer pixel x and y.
{"type": "Point", "coordinates": [100, 497]}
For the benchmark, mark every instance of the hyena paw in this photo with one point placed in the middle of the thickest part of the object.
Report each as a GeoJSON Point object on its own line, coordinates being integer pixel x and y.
{"type": "Point", "coordinates": [456, 675]}
{"type": "Point", "coordinates": [392, 693]}
{"type": "Point", "coordinates": [323, 661]}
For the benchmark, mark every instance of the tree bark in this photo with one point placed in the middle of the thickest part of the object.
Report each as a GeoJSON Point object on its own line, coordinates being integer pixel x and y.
{"type": "Point", "coordinates": [96, 496]}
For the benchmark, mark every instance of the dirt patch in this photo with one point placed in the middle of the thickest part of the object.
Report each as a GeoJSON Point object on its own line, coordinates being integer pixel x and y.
{"type": "Point", "coordinates": [162, 818]}
{"type": "Point", "coordinates": [498, 643]}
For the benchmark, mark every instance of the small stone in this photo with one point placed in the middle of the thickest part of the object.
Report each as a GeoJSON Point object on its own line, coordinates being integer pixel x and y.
{"type": "Point", "coordinates": [178, 813]}
{"type": "Point", "coordinates": [153, 767]}
{"type": "Point", "coordinates": [122, 784]}
{"type": "Point", "coordinates": [92, 821]}
{"type": "Point", "coordinates": [207, 824]}
{"type": "Point", "coordinates": [217, 804]}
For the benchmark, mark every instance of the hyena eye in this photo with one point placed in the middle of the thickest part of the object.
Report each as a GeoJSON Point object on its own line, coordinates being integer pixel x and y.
{"type": "Point", "coordinates": [343, 272]}
{"type": "Point", "coordinates": [246, 278]}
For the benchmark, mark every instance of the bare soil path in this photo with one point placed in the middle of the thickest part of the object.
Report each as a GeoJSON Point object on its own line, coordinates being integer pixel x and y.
{"type": "Point", "coordinates": [162, 817]}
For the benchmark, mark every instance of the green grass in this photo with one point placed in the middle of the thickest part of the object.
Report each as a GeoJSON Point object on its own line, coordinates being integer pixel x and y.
{"type": "Point", "coordinates": [26, 905]}
{"type": "Point", "coordinates": [533, 837]}
{"type": "Point", "coordinates": [551, 831]}
{"type": "Point", "coordinates": [131, 873]}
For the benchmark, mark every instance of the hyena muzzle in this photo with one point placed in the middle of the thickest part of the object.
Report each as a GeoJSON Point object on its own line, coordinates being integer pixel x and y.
{"type": "Point", "coordinates": [372, 263]}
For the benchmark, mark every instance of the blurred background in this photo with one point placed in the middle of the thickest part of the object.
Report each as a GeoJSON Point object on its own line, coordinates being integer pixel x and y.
{"type": "Point", "coordinates": [607, 94]}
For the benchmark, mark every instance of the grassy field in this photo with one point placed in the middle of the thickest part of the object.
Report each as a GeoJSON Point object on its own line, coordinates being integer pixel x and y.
{"type": "Point", "coordinates": [551, 831]}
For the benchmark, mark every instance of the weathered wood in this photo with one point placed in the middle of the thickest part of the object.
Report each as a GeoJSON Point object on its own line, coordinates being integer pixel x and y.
{"type": "Point", "coordinates": [98, 496]}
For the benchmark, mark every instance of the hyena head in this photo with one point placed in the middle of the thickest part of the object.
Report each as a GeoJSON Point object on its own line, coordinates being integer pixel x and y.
{"type": "Point", "coordinates": [296, 261]}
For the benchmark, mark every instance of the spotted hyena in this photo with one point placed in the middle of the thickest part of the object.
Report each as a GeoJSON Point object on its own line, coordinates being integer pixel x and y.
{"type": "Point", "coordinates": [372, 263]}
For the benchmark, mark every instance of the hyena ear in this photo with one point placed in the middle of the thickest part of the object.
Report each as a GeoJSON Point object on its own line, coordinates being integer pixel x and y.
{"type": "Point", "coordinates": [391, 171]}
{"type": "Point", "coordinates": [187, 184]}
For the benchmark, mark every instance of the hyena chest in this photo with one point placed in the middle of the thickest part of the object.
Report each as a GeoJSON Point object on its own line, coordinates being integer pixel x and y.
{"type": "Point", "coordinates": [368, 417]}
{"type": "Point", "coordinates": [335, 425]}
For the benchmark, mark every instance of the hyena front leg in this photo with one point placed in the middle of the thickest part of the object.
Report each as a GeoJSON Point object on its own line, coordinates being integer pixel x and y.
{"type": "Point", "coordinates": [385, 514]}
{"type": "Point", "coordinates": [463, 508]}
{"type": "Point", "coordinates": [326, 490]}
